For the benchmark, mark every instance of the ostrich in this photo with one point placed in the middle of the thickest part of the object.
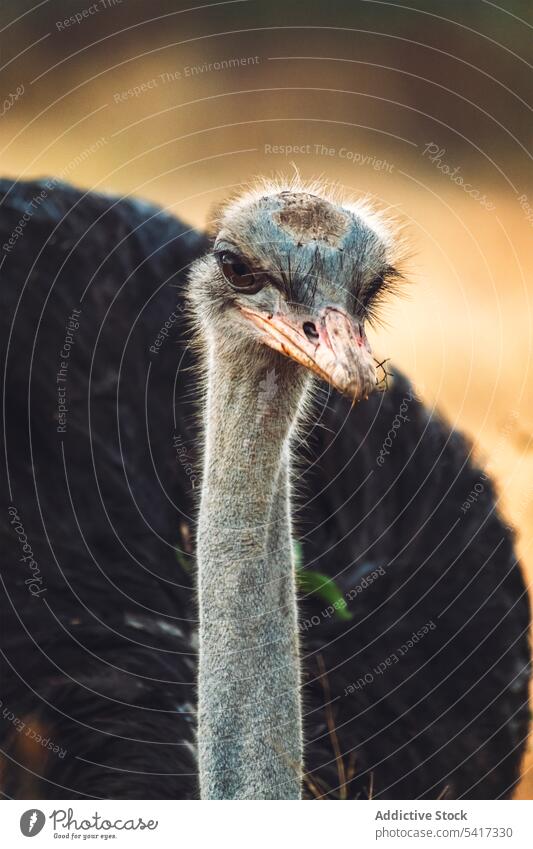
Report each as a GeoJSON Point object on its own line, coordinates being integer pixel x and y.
{"type": "Point", "coordinates": [293, 274]}
{"type": "Point", "coordinates": [403, 670]}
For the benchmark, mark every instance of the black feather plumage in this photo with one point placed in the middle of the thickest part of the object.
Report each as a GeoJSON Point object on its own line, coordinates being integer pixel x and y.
{"type": "Point", "coordinates": [101, 661]}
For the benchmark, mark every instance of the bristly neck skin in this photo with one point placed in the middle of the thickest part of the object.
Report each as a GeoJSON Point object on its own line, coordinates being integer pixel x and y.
{"type": "Point", "coordinates": [249, 725]}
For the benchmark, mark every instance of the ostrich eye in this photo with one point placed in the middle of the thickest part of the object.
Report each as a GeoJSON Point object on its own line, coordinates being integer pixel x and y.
{"type": "Point", "coordinates": [238, 274]}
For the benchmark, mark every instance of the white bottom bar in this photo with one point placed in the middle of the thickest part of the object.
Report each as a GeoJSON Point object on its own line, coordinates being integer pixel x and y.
{"type": "Point", "coordinates": [247, 825]}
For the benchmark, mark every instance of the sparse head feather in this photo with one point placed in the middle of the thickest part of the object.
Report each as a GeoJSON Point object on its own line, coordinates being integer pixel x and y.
{"type": "Point", "coordinates": [381, 220]}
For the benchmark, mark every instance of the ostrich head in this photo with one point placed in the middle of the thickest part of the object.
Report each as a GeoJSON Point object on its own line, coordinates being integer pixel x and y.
{"type": "Point", "coordinates": [298, 271]}
{"type": "Point", "coordinates": [291, 279]}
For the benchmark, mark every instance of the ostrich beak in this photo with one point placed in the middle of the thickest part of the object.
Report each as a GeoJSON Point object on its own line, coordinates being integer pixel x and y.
{"type": "Point", "coordinates": [330, 343]}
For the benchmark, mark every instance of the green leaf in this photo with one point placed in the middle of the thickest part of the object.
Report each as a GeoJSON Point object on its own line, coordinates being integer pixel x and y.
{"type": "Point", "coordinates": [320, 585]}
{"type": "Point", "coordinates": [185, 560]}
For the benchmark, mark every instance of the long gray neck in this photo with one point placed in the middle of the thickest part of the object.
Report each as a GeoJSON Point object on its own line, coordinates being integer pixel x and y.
{"type": "Point", "coordinates": [249, 726]}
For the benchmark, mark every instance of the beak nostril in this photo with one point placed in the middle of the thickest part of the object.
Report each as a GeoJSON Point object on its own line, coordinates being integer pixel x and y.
{"type": "Point", "coordinates": [310, 330]}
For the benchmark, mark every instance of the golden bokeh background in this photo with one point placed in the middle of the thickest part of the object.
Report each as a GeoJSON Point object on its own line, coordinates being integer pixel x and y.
{"type": "Point", "coordinates": [180, 105]}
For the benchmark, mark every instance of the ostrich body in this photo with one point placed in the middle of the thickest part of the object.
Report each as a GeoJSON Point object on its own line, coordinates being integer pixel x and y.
{"type": "Point", "coordinates": [102, 663]}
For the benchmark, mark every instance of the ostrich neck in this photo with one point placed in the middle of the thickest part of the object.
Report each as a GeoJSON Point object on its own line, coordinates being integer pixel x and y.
{"type": "Point", "coordinates": [249, 724]}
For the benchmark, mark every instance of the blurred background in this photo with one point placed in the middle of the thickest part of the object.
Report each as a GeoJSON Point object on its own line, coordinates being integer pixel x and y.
{"type": "Point", "coordinates": [422, 106]}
